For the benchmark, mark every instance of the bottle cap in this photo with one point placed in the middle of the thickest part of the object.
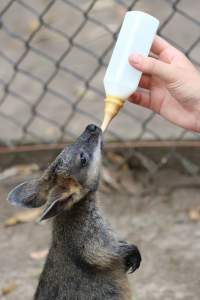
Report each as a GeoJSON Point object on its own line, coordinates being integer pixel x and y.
{"type": "Point", "coordinates": [111, 109]}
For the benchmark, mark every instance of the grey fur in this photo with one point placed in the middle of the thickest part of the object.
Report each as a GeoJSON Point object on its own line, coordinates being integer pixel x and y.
{"type": "Point", "coordinates": [85, 261]}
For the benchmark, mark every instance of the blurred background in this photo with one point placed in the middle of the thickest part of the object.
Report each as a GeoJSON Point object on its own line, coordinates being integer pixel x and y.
{"type": "Point", "coordinates": [53, 56]}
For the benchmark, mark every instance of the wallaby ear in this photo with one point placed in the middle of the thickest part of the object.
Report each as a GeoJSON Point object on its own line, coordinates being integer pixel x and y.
{"type": "Point", "coordinates": [52, 210]}
{"type": "Point", "coordinates": [26, 195]}
{"type": "Point", "coordinates": [63, 196]}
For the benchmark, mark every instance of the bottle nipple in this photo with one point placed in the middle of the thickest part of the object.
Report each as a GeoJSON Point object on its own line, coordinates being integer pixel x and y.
{"type": "Point", "coordinates": [111, 109]}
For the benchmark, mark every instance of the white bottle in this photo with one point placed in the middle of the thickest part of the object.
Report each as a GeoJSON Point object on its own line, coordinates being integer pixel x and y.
{"type": "Point", "coordinates": [121, 80]}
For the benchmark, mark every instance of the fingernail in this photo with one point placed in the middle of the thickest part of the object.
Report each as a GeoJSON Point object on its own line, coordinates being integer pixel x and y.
{"type": "Point", "coordinates": [134, 98]}
{"type": "Point", "coordinates": [136, 59]}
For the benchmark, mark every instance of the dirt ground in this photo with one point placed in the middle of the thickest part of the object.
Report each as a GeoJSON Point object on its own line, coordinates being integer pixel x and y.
{"type": "Point", "coordinates": [156, 214]}
{"type": "Point", "coordinates": [45, 95]}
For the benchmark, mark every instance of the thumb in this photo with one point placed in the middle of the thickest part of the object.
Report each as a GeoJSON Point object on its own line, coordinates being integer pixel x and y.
{"type": "Point", "coordinates": [152, 66]}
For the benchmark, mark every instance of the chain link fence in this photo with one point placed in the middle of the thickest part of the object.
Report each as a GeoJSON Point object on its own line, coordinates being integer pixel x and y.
{"type": "Point", "coordinates": [53, 57]}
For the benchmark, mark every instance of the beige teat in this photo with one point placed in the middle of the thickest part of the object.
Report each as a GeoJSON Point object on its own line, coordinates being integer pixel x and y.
{"type": "Point", "coordinates": [111, 109]}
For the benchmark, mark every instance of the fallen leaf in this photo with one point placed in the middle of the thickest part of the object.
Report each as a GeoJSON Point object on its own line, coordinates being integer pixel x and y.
{"type": "Point", "coordinates": [109, 179]}
{"type": "Point", "coordinates": [33, 25]}
{"type": "Point", "coordinates": [115, 158]}
{"type": "Point", "coordinates": [8, 289]}
{"type": "Point", "coordinates": [194, 214]}
{"type": "Point", "coordinates": [80, 92]}
{"type": "Point", "coordinates": [128, 183]}
{"type": "Point", "coordinates": [39, 254]}
{"type": "Point", "coordinates": [35, 273]}
{"type": "Point", "coordinates": [23, 217]}
{"type": "Point", "coordinates": [104, 4]}
{"type": "Point", "coordinates": [19, 170]}
{"type": "Point", "coordinates": [50, 19]}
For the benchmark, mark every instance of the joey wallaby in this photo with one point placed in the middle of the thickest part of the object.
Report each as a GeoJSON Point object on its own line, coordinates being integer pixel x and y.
{"type": "Point", "coordinates": [85, 261]}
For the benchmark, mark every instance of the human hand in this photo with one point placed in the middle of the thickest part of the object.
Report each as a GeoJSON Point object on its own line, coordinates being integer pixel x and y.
{"type": "Point", "coordinates": [170, 85]}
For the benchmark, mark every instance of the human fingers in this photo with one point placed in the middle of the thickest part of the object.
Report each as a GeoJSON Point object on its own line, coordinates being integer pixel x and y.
{"type": "Point", "coordinates": [145, 81]}
{"type": "Point", "coordinates": [141, 98]}
{"type": "Point", "coordinates": [152, 66]}
{"type": "Point", "coordinates": [159, 45]}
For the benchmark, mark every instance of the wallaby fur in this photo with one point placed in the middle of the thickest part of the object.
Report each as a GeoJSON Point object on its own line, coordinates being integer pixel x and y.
{"type": "Point", "coordinates": [85, 261]}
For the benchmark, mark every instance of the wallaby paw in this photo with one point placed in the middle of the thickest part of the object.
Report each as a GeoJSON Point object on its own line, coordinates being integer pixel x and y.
{"type": "Point", "coordinates": [132, 258]}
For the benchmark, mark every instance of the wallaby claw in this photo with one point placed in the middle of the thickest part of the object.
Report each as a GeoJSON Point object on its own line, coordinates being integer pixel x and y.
{"type": "Point", "coordinates": [132, 258]}
{"type": "Point", "coordinates": [131, 255]}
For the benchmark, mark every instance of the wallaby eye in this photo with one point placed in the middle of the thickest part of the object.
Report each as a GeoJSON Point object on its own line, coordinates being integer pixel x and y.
{"type": "Point", "coordinates": [83, 159]}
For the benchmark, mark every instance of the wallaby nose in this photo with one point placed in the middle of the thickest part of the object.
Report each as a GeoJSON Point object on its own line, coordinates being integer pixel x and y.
{"type": "Point", "coordinates": [92, 128]}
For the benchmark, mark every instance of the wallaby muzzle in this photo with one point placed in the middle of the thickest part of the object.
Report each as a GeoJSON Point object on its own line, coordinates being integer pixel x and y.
{"type": "Point", "coordinates": [92, 133]}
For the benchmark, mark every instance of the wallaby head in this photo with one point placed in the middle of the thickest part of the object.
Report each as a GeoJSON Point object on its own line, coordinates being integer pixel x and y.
{"type": "Point", "coordinates": [73, 174]}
